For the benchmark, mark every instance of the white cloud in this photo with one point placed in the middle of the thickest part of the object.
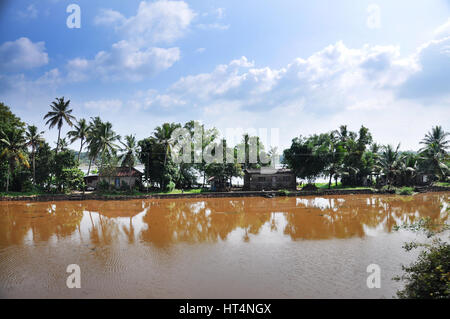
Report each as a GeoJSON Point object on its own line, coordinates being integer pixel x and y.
{"type": "Point", "coordinates": [109, 17]}
{"type": "Point", "coordinates": [123, 61]}
{"type": "Point", "coordinates": [443, 30]}
{"type": "Point", "coordinates": [200, 50]}
{"type": "Point", "coordinates": [154, 22]}
{"type": "Point", "coordinates": [30, 12]}
{"type": "Point", "coordinates": [104, 105]}
{"type": "Point", "coordinates": [374, 16]}
{"type": "Point", "coordinates": [22, 54]}
{"type": "Point", "coordinates": [217, 26]}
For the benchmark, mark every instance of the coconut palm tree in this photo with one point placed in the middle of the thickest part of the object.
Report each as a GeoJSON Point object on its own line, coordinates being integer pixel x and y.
{"type": "Point", "coordinates": [59, 114]}
{"type": "Point", "coordinates": [163, 135]}
{"type": "Point", "coordinates": [435, 152]}
{"type": "Point", "coordinates": [129, 152]}
{"type": "Point", "coordinates": [105, 139]}
{"type": "Point", "coordinates": [33, 139]}
{"type": "Point", "coordinates": [92, 139]}
{"type": "Point", "coordinates": [80, 132]}
{"type": "Point", "coordinates": [436, 138]}
{"type": "Point", "coordinates": [389, 161]}
{"type": "Point", "coordinates": [14, 145]}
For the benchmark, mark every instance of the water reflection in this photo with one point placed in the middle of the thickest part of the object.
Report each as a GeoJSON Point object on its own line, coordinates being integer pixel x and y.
{"type": "Point", "coordinates": [164, 222]}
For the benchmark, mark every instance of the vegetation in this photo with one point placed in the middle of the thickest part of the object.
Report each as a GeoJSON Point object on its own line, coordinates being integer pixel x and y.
{"type": "Point", "coordinates": [357, 161]}
{"type": "Point", "coordinates": [429, 276]}
{"type": "Point", "coordinates": [349, 160]}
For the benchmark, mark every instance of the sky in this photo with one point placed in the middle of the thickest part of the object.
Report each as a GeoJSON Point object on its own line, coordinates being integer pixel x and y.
{"type": "Point", "coordinates": [287, 67]}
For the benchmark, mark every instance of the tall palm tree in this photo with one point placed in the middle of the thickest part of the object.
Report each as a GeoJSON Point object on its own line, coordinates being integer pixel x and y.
{"type": "Point", "coordinates": [92, 139]}
{"type": "Point", "coordinates": [163, 135]}
{"type": "Point", "coordinates": [129, 152]}
{"type": "Point", "coordinates": [105, 140]}
{"type": "Point", "coordinates": [14, 151]}
{"type": "Point", "coordinates": [436, 138]}
{"type": "Point", "coordinates": [59, 114]}
{"type": "Point", "coordinates": [389, 161]}
{"type": "Point", "coordinates": [33, 139]}
{"type": "Point", "coordinates": [435, 152]}
{"type": "Point", "coordinates": [80, 132]}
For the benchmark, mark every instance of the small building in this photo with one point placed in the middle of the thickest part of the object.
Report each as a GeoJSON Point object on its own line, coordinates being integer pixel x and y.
{"type": "Point", "coordinates": [116, 177]}
{"type": "Point", "coordinates": [91, 181]}
{"type": "Point", "coordinates": [268, 178]}
{"type": "Point", "coordinates": [218, 185]}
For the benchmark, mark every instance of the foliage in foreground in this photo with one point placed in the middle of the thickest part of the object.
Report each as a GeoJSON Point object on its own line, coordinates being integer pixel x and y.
{"type": "Point", "coordinates": [429, 276]}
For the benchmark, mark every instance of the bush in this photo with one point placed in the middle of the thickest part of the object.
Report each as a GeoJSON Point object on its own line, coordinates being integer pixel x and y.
{"type": "Point", "coordinates": [103, 185]}
{"type": "Point", "coordinates": [405, 191]}
{"type": "Point", "coordinates": [429, 276]}
{"type": "Point", "coordinates": [71, 179]}
{"type": "Point", "coordinates": [170, 187]}
{"type": "Point", "coordinates": [309, 187]}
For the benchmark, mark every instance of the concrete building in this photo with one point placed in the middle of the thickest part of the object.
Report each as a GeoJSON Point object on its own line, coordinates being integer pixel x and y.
{"type": "Point", "coordinates": [268, 178]}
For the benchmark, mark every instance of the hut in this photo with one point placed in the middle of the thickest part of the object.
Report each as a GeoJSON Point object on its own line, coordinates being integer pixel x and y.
{"type": "Point", "coordinates": [268, 178]}
{"type": "Point", "coordinates": [116, 177]}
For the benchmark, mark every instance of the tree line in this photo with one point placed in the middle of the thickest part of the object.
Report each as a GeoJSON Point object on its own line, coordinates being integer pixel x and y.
{"type": "Point", "coordinates": [28, 162]}
{"type": "Point", "coordinates": [356, 160]}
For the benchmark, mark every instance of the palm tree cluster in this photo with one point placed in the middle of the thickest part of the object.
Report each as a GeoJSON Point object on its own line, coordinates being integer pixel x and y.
{"type": "Point", "coordinates": [341, 154]}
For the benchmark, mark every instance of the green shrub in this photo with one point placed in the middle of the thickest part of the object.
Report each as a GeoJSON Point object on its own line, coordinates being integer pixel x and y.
{"type": "Point", "coordinates": [170, 187]}
{"type": "Point", "coordinates": [404, 191]}
{"type": "Point", "coordinates": [103, 185]}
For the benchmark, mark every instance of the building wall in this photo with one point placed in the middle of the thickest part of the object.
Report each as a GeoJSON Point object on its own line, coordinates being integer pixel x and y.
{"type": "Point", "coordinates": [255, 182]}
{"type": "Point", "coordinates": [127, 179]}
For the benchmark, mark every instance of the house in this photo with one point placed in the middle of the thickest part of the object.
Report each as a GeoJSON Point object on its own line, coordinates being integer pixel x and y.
{"type": "Point", "coordinates": [116, 177]}
{"type": "Point", "coordinates": [218, 185]}
{"type": "Point", "coordinates": [268, 178]}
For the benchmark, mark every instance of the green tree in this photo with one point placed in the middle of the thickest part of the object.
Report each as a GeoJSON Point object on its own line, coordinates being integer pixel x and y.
{"type": "Point", "coordinates": [33, 139]}
{"type": "Point", "coordinates": [60, 113]}
{"type": "Point", "coordinates": [434, 152]}
{"type": "Point", "coordinates": [389, 162]}
{"type": "Point", "coordinates": [14, 145]}
{"type": "Point", "coordinates": [79, 133]}
{"type": "Point", "coordinates": [129, 152]}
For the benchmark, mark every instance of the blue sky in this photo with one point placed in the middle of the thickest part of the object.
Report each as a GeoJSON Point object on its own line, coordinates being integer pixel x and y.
{"type": "Point", "coordinates": [299, 66]}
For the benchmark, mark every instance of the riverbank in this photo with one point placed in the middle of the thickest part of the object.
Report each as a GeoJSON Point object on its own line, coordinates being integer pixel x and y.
{"type": "Point", "coordinates": [266, 194]}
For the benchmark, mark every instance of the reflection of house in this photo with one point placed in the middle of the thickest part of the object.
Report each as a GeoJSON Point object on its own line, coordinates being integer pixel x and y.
{"type": "Point", "coordinates": [267, 178]}
{"type": "Point", "coordinates": [116, 177]}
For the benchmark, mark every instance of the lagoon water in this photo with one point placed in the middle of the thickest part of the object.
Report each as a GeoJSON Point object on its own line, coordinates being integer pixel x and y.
{"type": "Point", "coordinates": [284, 247]}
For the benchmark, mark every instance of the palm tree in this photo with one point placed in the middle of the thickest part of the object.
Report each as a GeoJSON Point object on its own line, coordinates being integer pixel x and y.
{"type": "Point", "coordinates": [434, 151]}
{"type": "Point", "coordinates": [59, 114]}
{"type": "Point", "coordinates": [389, 161]}
{"type": "Point", "coordinates": [92, 139]}
{"type": "Point", "coordinates": [80, 132]}
{"type": "Point", "coordinates": [33, 139]}
{"type": "Point", "coordinates": [129, 152]}
{"type": "Point", "coordinates": [14, 151]}
{"type": "Point", "coordinates": [105, 139]}
{"type": "Point", "coordinates": [436, 138]}
{"type": "Point", "coordinates": [163, 135]}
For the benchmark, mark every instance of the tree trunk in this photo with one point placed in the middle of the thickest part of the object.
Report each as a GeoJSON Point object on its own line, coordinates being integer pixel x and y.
{"type": "Point", "coordinates": [57, 143]}
{"type": "Point", "coordinates": [34, 164]}
{"type": "Point", "coordinates": [329, 182]}
{"type": "Point", "coordinates": [7, 182]}
{"type": "Point", "coordinates": [89, 168]}
{"type": "Point", "coordinates": [79, 153]}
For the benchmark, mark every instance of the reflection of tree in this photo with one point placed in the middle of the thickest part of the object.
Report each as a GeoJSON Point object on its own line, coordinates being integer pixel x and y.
{"type": "Point", "coordinates": [199, 221]}
{"type": "Point", "coordinates": [43, 219]}
{"type": "Point", "coordinates": [211, 220]}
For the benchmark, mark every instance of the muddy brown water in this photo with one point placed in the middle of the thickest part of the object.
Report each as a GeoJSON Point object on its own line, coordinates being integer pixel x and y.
{"type": "Point", "coordinates": [311, 247]}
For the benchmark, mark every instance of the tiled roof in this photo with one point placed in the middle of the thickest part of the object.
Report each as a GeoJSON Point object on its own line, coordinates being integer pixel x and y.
{"type": "Point", "coordinates": [125, 172]}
